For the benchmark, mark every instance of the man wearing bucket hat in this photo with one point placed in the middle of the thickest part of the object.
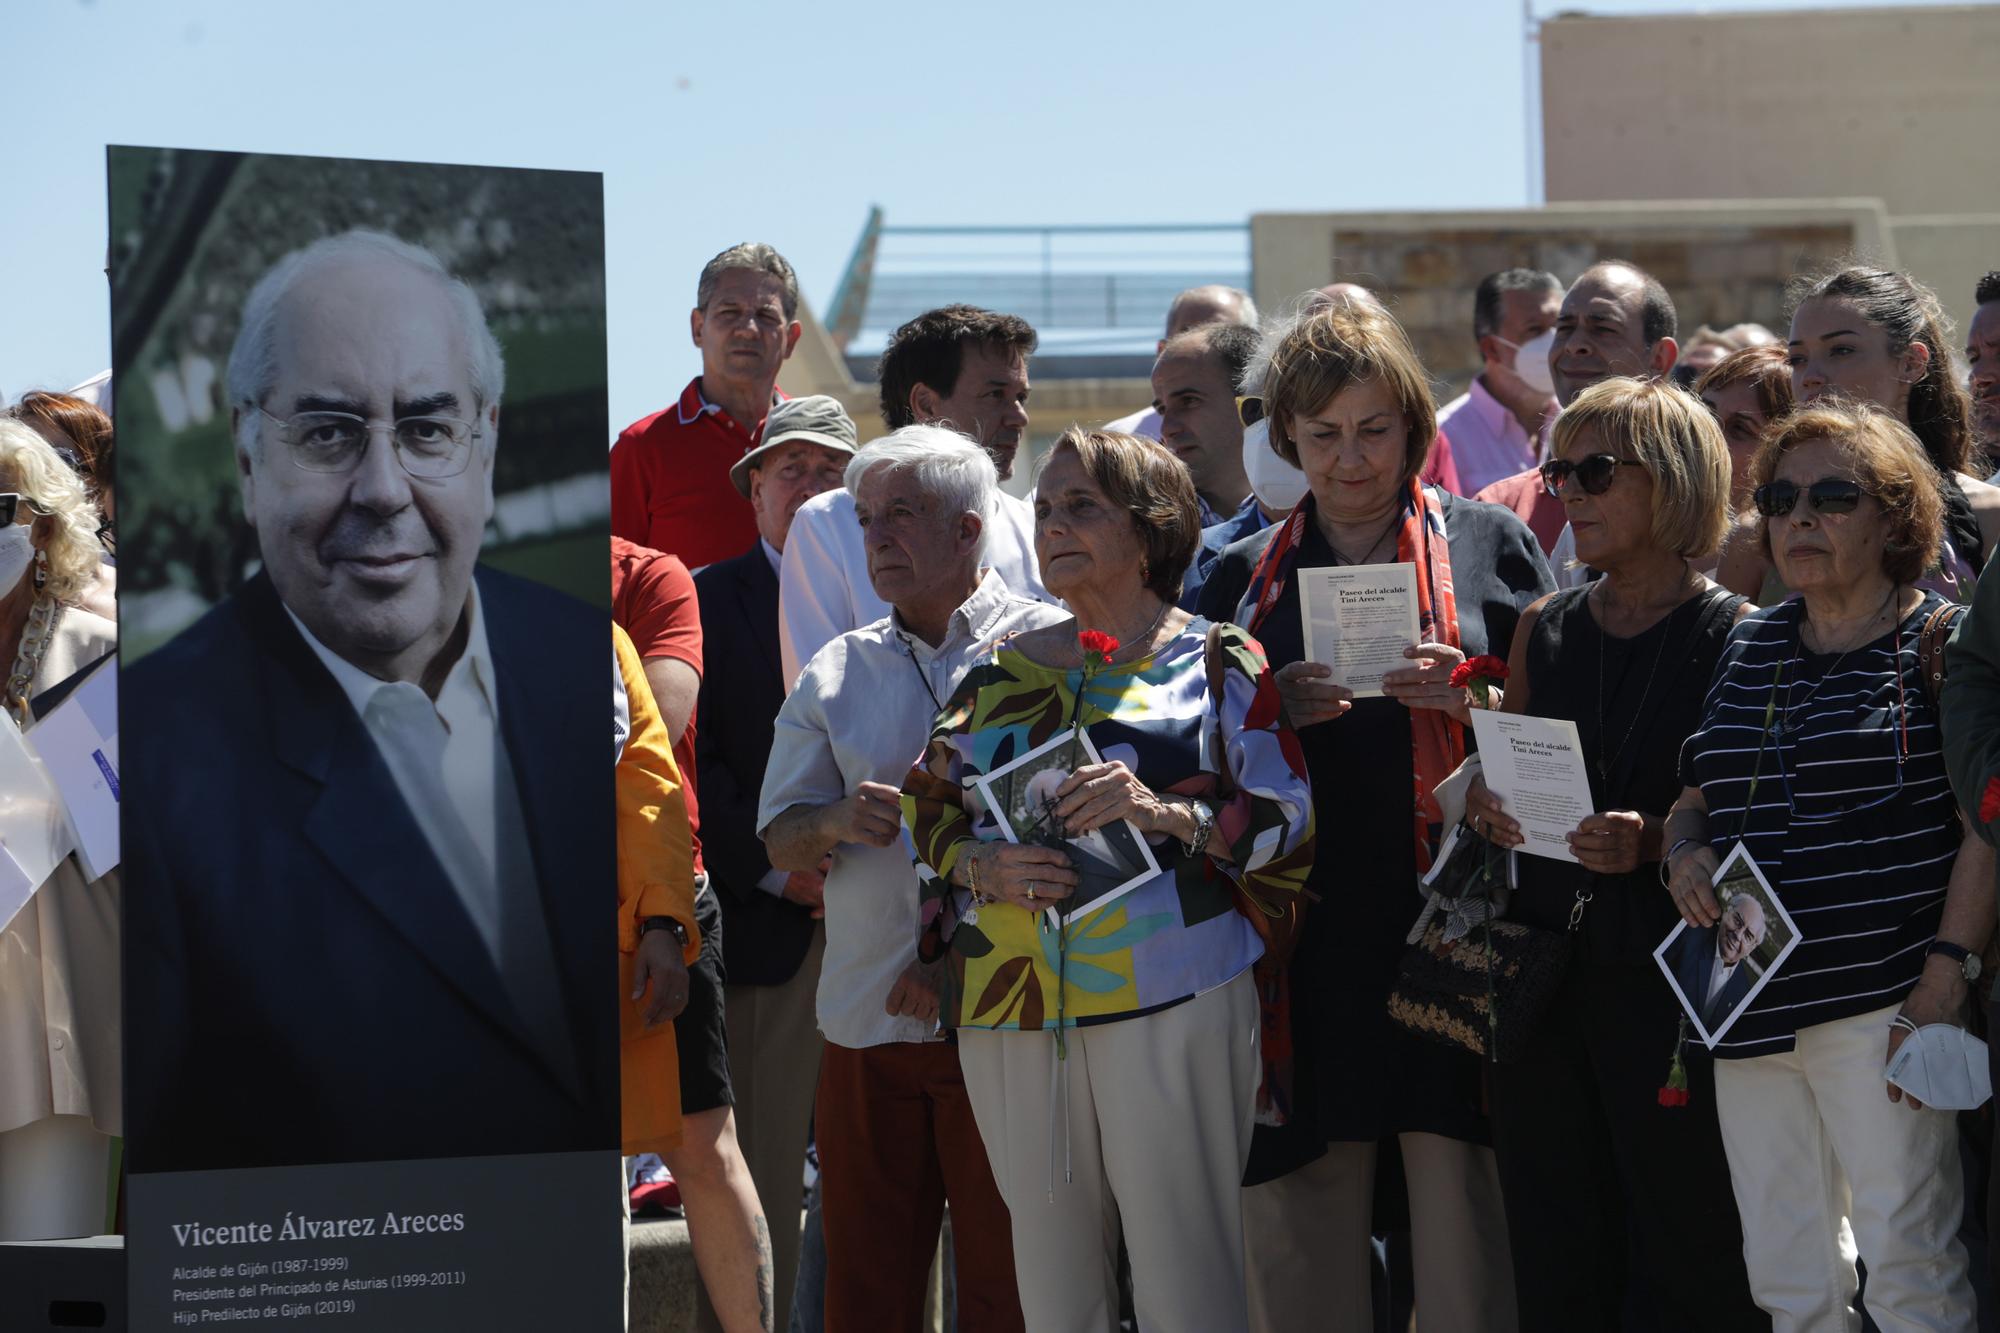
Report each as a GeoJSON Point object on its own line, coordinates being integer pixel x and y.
{"type": "Point", "coordinates": [772, 939]}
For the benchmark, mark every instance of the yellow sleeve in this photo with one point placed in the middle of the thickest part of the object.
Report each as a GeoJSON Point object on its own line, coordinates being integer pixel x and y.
{"type": "Point", "coordinates": [655, 848]}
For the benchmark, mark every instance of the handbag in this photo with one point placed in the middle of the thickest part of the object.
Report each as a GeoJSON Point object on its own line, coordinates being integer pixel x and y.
{"type": "Point", "coordinates": [1471, 980]}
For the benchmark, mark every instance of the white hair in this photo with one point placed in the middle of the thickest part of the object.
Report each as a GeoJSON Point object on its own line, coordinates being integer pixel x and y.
{"type": "Point", "coordinates": [947, 466]}
{"type": "Point", "coordinates": [253, 361]}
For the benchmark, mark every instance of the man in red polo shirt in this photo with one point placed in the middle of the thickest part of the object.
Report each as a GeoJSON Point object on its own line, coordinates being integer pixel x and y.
{"type": "Point", "coordinates": [670, 487]}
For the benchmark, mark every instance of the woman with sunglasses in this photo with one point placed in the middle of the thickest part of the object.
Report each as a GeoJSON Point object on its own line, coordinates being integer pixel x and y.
{"type": "Point", "coordinates": [1350, 405]}
{"type": "Point", "coordinates": [1623, 1198]}
{"type": "Point", "coordinates": [1819, 751]}
{"type": "Point", "coordinates": [59, 1005]}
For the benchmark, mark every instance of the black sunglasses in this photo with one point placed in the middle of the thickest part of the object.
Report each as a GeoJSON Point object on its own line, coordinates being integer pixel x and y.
{"type": "Point", "coordinates": [11, 504]}
{"type": "Point", "coordinates": [1595, 473]}
{"type": "Point", "coordinates": [1828, 495]}
{"type": "Point", "coordinates": [1250, 410]}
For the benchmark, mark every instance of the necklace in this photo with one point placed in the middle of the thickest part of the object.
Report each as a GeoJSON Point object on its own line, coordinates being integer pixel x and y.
{"type": "Point", "coordinates": [35, 637]}
{"type": "Point", "coordinates": [1144, 638]}
{"type": "Point", "coordinates": [1784, 724]}
{"type": "Point", "coordinates": [1340, 556]}
{"type": "Point", "coordinates": [1805, 623]}
{"type": "Point", "coordinates": [910, 651]}
{"type": "Point", "coordinates": [1604, 764]}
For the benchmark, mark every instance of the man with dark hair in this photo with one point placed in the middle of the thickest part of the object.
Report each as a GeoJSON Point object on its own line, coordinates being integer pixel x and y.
{"type": "Point", "coordinates": [957, 366]}
{"type": "Point", "coordinates": [1194, 308]}
{"type": "Point", "coordinates": [1194, 391]}
{"type": "Point", "coordinates": [670, 487]}
{"type": "Point", "coordinates": [1616, 319]}
{"type": "Point", "coordinates": [1982, 355]}
{"type": "Point", "coordinates": [1497, 426]}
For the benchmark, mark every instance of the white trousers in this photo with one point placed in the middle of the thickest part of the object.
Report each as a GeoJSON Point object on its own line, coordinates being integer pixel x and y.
{"type": "Point", "coordinates": [1159, 1116]}
{"type": "Point", "coordinates": [1823, 1164]}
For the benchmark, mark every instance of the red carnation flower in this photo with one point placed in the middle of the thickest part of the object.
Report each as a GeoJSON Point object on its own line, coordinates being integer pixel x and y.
{"type": "Point", "coordinates": [1492, 668]}
{"type": "Point", "coordinates": [1095, 642]}
{"type": "Point", "coordinates": [1673, 1096]}
{"type": "Point", "coordinates": [1989, 802]}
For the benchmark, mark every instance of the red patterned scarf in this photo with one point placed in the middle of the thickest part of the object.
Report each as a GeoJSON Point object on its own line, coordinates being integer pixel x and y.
{"type": "Point", "coordinates": [1437, 740]}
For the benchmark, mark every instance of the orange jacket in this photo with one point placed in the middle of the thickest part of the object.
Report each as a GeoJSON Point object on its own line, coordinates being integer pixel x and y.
{"type": "Point", "coordinates": [655, 878]}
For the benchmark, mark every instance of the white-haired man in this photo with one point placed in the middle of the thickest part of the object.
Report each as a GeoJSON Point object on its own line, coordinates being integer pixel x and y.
{"type": "Point", "coordinates": [895, 1129]}
{"type": "Point", "coordinates": [370, 876]}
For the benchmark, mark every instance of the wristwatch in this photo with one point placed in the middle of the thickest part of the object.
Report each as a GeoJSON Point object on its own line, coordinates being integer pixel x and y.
{"type": "Point", "coordinates": [665, 923]}
{"type": "Point", "coordinates": [1969, 963]}
{"type": "Point", "coordinates": [1204, 824]}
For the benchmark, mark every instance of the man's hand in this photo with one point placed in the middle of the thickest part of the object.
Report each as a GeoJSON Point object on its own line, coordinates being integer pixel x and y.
{"type": "Point", "coordinates": [659, 964]}
{"type": "Point", "coordinates": [808, 889]}
{"type": "Point", "coordinates": [872, 816]}
{"type": "Point", "coordinates": [915, 994]}
{"type": "Point", "coordinates": [1939, 996]}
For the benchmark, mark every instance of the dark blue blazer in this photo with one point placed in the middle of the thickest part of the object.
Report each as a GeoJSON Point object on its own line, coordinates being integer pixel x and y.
{"type": "Point", "coordinates": [764, 937]}
{"type": "Point", "coordinates": [302, 983]}
{"type": "Point", "coordinates": [1697, 969]}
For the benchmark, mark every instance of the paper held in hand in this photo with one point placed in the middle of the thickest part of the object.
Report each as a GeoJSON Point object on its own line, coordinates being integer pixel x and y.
{"type": "Point", "coordinates": [1358, 620]}
{"type": "Point", "coordinates": [34, 831]}
{"type": "Point", "coordinates": [1535, 766]}
{"type": "Point", "coordinates": [77, 742]}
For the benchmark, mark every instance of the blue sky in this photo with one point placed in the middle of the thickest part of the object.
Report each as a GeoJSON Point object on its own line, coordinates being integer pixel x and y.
{"type": "Point", "coordinates": [781, 122]}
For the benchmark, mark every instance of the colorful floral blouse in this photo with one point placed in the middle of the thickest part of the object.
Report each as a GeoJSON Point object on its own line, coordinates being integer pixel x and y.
{"type": "Point", "coordinates": [1178, 933]}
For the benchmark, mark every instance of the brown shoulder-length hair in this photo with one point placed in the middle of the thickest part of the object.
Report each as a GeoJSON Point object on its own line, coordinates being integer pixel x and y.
{"type": "Point", "coordinates": [1143, 478]}
{"type": "Point", "coordinates": [1766, 368]}
{"type": "Point", "coordinates": [1888, 461]}
{"type": "Point", "coordinates": [1335, 348]}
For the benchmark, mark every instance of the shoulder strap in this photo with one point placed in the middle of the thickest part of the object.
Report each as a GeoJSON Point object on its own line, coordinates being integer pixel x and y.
{"type": "Point", "coordinates": [1211, 654]}
{"type": "Point", "coordinates": [1931, 641]}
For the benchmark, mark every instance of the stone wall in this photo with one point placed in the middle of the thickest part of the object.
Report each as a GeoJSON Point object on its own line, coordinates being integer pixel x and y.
{"type": "Point", "coordinates": [1717, 275]}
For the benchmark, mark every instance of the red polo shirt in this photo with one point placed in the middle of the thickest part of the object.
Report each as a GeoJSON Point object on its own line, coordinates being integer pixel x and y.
{"type": "Point", "coordinates": [653, 600]}
{"type": "Point", "coordinates": [670, 486]}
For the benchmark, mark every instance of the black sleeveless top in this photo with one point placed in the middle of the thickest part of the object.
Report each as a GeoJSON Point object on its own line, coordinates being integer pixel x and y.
{"type": "Point", "coordinates": [1634, 702]}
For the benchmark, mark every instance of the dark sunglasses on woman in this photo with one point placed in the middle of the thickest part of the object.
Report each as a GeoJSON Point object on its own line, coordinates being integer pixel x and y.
{"type": "Point", "coordinates": [1593, 473]}
{"type": "Point", "coordinates": [1828, 495]}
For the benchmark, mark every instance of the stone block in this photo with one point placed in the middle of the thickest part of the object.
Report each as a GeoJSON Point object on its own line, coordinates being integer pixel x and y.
{"type": "Point", "coordinates": [664, 1278]}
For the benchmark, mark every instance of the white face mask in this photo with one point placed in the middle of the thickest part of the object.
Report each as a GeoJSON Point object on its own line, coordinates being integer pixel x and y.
{"type": "Point", "coordinates": [16, 553]}
{"type": "Point", "coordinates": [1277, 484]}
{"type": "Point", "coordinates": [1944, 1067]}
{"type": "Point", "coordinates": [1531, 360]}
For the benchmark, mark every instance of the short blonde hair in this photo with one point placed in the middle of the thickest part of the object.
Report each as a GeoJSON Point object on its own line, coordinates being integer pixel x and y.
{"type": "Point", "coordinates": [1672, 434]}
{"type": "Point", "coordinates": [1335, 348]}
{"type": "Point", "coordinates": [39, 473]}
{"type": "Point", "coordinates": [1889, 462]}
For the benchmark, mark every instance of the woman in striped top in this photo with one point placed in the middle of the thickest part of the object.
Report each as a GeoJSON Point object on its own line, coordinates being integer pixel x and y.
{"type": "Point", "coordinates": [1819, 749]}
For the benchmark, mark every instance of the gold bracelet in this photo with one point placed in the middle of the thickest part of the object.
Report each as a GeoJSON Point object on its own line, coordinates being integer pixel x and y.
{"type": "Point", "coordinates": [972, 872]}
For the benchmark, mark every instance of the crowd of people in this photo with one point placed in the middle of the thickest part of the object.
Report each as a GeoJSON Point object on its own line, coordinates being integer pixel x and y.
{"type": "Point", "coordinates": [1732, 563]}
{"type": "Point", "coordinates": [1012, 861]}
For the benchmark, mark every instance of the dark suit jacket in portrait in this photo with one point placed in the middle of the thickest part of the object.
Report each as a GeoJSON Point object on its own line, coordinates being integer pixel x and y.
{"type": "Point", "coordinates": [1697, 970]}
{"type": "Point", "coordinates": [764, 937]}
{"type": "Point", "coordinates": [303, 983]}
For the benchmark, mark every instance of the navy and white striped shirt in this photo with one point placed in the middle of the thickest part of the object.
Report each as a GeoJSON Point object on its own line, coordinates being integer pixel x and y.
{"type": "Point", "coordinates": [1853, 821]}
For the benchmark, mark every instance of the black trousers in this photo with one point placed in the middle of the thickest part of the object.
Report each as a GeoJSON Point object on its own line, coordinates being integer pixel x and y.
{"type": "Point", "coordinates": [1619, 1210]}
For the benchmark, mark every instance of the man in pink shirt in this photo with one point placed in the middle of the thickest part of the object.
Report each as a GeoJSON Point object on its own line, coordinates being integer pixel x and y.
{"type": "Point", "coordinates": [1616, 319]}
{"type": "Point", "coordinates": [1497, 426]}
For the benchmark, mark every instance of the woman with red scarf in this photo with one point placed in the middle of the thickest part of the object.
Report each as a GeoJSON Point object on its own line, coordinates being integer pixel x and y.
{"type": "Point", "coordinates": [1350, 405]}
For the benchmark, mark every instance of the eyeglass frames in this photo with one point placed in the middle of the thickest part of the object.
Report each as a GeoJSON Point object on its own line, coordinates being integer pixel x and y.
{"type": "Point", "coordinates": [1594, 473]}
{"type": "Point", "coordinates": [1828, 495]}
{"type": "Point", "coordinates": [433, 447]}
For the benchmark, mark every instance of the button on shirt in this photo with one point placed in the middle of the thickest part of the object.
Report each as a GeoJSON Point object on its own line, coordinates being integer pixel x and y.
{"type": "Point", "coordinates": [1487, 441]}
{"type": "Point", "coordinates": [862, 712]}
{"type": "Point", "coordinates": [823, 587]}
{"type": "Point", "coordinates": [670, 487]}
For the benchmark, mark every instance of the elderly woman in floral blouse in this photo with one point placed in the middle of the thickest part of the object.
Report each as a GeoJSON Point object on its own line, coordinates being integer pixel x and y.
{"type": "Point", "coordinates": [1114, 1043]}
